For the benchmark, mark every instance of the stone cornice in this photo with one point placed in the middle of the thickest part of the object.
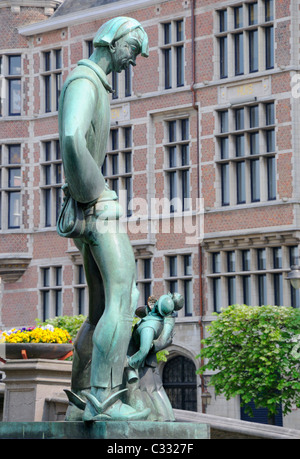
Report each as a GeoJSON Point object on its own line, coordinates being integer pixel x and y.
{"type": "Point", "coordinates": [30, 3]}
{"type": "Point", "coordinates": [79, 17]}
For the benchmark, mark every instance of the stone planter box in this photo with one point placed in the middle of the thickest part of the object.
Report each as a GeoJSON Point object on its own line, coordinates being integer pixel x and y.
{"type": "Point", "coordinates": [37, 350]}
{"type": "Point", "coordinates": [28, 383]}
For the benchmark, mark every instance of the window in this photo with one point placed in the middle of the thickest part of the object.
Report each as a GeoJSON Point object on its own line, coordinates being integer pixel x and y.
{"type": "Point", "coordinates": [122, 84]}
{"type": "Point", "coordinates": [51, 291]}
{"type": "Point", "coordinates": [10, 85]}
{"type": "Point", "coordinates": [117, 167]}
{"type": "Point", "coordinates": [173, 53]}
{"type": "Point", "coordinates": [180, 279]}
{"type": "Point", "coordinates": [144, 279]}
{"type": "Point", "coordinates": [52, 178]}
{"type": "Point", "coordinates": [10, 186]}
{"type": "Point", "coordinates": [245, 36]}
{"type": "Point", "coordinates": [80, 290]}
{"type": "Point", "coordinates": [247, 161]}
{"type": "Point", "coordinates": [52, 78]}
{"type": "Point", "coordinates": [252, 276]}
{"type": "Point", "coordinates": [177, 160]}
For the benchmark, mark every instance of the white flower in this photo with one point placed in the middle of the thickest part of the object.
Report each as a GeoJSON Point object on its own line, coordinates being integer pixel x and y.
{"type": "Point", "coordinates": [48, 327]}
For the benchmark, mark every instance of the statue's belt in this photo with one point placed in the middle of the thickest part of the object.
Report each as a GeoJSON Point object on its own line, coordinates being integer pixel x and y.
{"type": "Point", "coordinates": [72, 221]}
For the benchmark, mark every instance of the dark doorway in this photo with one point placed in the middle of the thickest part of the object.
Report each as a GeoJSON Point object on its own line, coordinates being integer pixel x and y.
{"type": "Point", "coordinates": [179, 380]}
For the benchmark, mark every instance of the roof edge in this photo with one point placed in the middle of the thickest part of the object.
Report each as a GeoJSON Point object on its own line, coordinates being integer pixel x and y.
{"type": "Point", "coordinates": [98, 12]}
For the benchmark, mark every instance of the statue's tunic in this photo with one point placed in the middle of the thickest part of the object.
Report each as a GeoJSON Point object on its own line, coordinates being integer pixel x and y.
{"type": "Point", "coordinates": [83, 169]}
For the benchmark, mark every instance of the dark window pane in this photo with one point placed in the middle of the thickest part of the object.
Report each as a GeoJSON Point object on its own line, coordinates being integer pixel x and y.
{"type": "Point", "coordinates": [239, 119]}
{"type": "Point", "coordinates": [246, 260]}
{"type": "Point", "coordinates": [238, 17]}
{"type": "Point", "coordinates": [223, 58]}
{"type": "Point", "coordinates": [115, 85]}
{"type": "Point", "coordinates": [47, 61]}
{"type": "Point", "coordinates": [185, 155]}
{"type": "Point", "coordinates": [224, 148]}
{"type": "Point", "coordinates": [173, 190]}
{"type": "Point", "coordinates": [231, 290]}
{"type": "Point", "coordinates": [262, 289]}
{"type": "Point", "coordinates": [188, 298]}
{"type": "Point", "coordinates": [58, 62]}
{"type": "Point", "coordinates": [225, 184]}
{"type": "Point", "coordinates": [254, 143]}
{"type": "Point", "coordinates": [167, 33]}
{"type": "Point", "coordinates": [14, 65]}
{"type": "Point", "coordinates": [223, 20]}
{"type": "Point", "coordinates": [253, 50]}
{"type": "Point", "coordinates": [253, 14]}
{"type": "Point", "coordinates": [231, 261]}
{"type": "Point", "coordinates": [14, 154]}
{"type": "Point", "coordinates": [269, 47]}
{"type": "Point", "coordinates": [168, 68]}
{"type": "Point", "coordinates": [261, 259]}
{"type": "Point", "coordinates": [254, 116]}
{"type": "Point", "coordinates": [217, 294]}
{"type": "Point", "coordinates": [14, 178]}
{"type": "Point", "coordinates": [241, 184]}
{"type": "Point", "coordinates": [224, 121]}
{"type": "Point", "coordinates": [172, 156]}
{"type": "Point", "coordinates": [185, 180]}
{"type": "Point", "coordinates": [270, 140]}
{"type": "Point", "coordinates": [173, 266]}
{"type": "Point", "coordinates": [14, 97]}
{"type": "Point", "coordinates": [247, 290]}
{"type": "Point", "coordinates": [255, 180]}
{"type": "Point", "coordinates": [239, 54]}
{"type": "Point", "coordinates": [216, 262]}
{"type": "Point", "coordinates": [270, 114]}
{"type": "Point", "coordinates": [147, 268]}
{"type": "Point", "coordinates": [185, 129]}
{"type": "Point", "coordinates": [47, 80]}
{"type": "Point", "coordinates": [269, 10]}
{"type": "Point", "coordinates": [14, 210]}
{"type": "Point", "coordinates": [48, 205]}
{"type": "Point", "coordinates": [128, 137]}
{"type": "Point", "coordinates": [278, 289]}
{"type": "Point", "coordinates": [188, 265]}
{"type": "Point", "coordinates": [179, 31]}
{"type": "Point", "coordinates": [128, 82]}
{"type": "Point", "coordinates": [172, 131]}
{"type": "Point", "coordinates": [240, 145]}
{"type": "Point", "coordinates": [277, 257]}
{"type": "Point", "coordinates": [180, 65]}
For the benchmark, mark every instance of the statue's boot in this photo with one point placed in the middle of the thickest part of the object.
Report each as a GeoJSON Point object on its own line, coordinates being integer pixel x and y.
{"type": "Point", "coordinates": [112, 409]}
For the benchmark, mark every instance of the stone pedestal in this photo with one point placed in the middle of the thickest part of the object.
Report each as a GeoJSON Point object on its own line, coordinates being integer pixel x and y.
{"type": "Point", "coordinates": [120, 430]}
{"type": "Point", "coordinates": [28, 383]}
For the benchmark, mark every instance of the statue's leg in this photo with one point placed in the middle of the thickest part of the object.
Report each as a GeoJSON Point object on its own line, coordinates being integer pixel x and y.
{"type": "Point", "coordinates": [146, 340]}
{"type": "Point", "coordinates": [114, 257]}
{"type": "Point", "coordinates": [83, 345]}
{"type": "Point", "coordinates": [113, 254]}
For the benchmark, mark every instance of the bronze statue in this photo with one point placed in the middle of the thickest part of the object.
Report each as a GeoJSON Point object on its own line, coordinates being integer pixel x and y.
{"type": "Point", "coordinates": [107, 378]}
{"type": "Point", "coordinates": [89, 209]}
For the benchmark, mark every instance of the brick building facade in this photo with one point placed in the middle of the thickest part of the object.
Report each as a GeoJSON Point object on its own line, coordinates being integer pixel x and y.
{"type": "Point", "coordinates": [208, 122]}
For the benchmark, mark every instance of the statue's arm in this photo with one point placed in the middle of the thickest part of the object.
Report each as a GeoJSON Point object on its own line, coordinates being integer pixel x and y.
{"type": "Point", "coordinates": [85, 181]}
{"type": "Point", "coordinates": [165, 338]}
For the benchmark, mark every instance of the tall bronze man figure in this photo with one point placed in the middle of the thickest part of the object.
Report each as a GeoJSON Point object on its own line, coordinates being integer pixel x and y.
{"type": "Point", "coordinates": [89, 216]}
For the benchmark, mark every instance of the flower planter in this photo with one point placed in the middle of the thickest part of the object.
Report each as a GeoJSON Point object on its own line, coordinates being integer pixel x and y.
{"type": "Point", "coordinates": [37, 350]}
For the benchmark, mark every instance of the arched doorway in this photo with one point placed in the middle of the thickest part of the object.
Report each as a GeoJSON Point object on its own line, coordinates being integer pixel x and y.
{"type": "Point", "coordinates": [179, 381]}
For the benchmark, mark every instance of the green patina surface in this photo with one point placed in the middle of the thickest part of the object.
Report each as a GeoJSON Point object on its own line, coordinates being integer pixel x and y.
{"type": "Point", "coordinates": [104, 430]}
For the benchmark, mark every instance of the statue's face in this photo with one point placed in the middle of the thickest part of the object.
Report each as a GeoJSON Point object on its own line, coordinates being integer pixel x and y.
{"type": "Point", "coordinates": [125, 51]}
